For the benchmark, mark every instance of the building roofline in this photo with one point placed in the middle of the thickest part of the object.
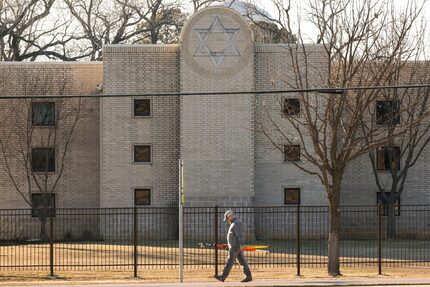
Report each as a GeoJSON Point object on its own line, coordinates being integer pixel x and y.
{"type": "Point", "coordinates": [282, 48]}
{"type": "Point", "coordinates": [141, 48]}
{"type": "Point", "coordinates": [52, 64]}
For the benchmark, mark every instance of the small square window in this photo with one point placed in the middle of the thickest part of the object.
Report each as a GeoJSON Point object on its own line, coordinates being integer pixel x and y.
{"type": "Point", "coordinates": [43, 203]}
{"type": "Point", "coordinates": [43, 159]}
{"type": "Point", "coordinates": [142, 196]}
{"type": "Point", "coordinates": [142, 153]}
{"type": "Point", "coordinates": [387, 112]}
{"type": "Point", "coordinates": [291, 107]}
{"type": "Point", "coordinates": [388, 158]}
{"type": "Point", "coordinates": [142, 108]}
{"type": "Point", "coordinates": [380, 199]}
{"type": "Point", "coordinates": [291, 153]}
{"type": "Point", "coordinates": [43, 114]}
{"type": "Point", "coordinates": [291, 196]}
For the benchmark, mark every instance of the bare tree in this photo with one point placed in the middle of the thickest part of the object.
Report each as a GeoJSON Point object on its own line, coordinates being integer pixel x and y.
{"type": "Point", "coordinates": [268, 28]}
{"type": "Point", "coordinates": [70, 30]}
{"type": "Point", "coordinates": [391, 164]}
{"type": "Point", "coordinates": [35, 139]}
{"type": "Point", "coordinates": [364, 44]}
{"type": "Point", "coordinates": [122, 21]}
{"type": "Point", "coordinates": [200, 4]}
{"type": "Point", "coordinates": [29, 29]}
{"type": "Point", "coordinates": [163, 24]}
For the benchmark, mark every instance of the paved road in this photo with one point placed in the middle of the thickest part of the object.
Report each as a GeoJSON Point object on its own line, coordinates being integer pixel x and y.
{"type": "Point", "coordinates": [265, 283]}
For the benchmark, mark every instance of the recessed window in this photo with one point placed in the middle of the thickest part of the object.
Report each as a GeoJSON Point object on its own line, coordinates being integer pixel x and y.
{"type": "Point", "coordinates": [43, 159]}
{"type": "Point", "coordinates": [43, 113]}
{"type": "Point", "coordinates": [43, 204]}
{"type": "Point", "coordinates": [142, 107]}
{"type": "Point", "coordinates": [291, 107]}
{"type": "Point", "coordinates": [291, 196]}
{"type": "Point", "coordinates": [387, 112]}
{"type": "Point", "coordinates": [291, 153]}
{"type": "Point", "coordinates": [142, 196]}
{"type": "Point", "coordinates": [388, 158]}
{"type": "Point", "coordinates": [381, 199]}
{"type": "Point", "coordinates": [142, 153]}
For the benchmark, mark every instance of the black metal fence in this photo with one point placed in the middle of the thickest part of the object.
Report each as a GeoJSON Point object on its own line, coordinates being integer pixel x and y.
{"type": "Point", "coordinates": [147, 237]}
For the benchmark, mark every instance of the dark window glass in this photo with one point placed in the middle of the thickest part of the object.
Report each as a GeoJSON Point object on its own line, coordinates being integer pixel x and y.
{"type": "Point", "coordinates": [142, 153]}
{"type": "Point", "coordinates": [142, 196]}
{"type": "Point", "coordinates": [291, 195]}
{"type": "Point", "coordinates": [291, 153]}
{"type": "Point", "coordinates": [388, 158]}
{"type": "Point", "coordinates": [387, 112]}
{"type": "Point", "coordinates": [43, 204]}
{"type": "Point", "coordinates": [380, 199]}
{"type": "Point", "coordinates": [43, 113]}
{"type": "Point", "coordinates": [43, 159]}
{"type": "Point", "coordinates": [142, 108]}
{"type": "Point", "coordinates": [291, 107]}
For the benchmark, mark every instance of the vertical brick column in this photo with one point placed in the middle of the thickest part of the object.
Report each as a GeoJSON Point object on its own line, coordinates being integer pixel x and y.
{"type": "Point", "coordinates": [217, 136]}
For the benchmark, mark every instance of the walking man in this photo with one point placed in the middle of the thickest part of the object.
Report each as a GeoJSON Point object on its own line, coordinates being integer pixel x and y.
{"type": "Point", "coordinates": [235, 248]}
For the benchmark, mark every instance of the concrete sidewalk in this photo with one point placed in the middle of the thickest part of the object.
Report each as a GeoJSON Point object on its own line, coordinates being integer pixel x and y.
{"type": "Point", "coordinates": [256, 283]}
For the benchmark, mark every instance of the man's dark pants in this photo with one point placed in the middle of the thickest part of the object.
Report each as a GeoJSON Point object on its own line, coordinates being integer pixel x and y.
{"type": "Point", "coordinates": [233, 254]}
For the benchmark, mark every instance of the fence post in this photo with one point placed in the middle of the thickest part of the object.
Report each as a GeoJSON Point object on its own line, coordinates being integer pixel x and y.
{"type": "Point", "coordinates": [379, 210]}
{"type": "Point", "coordinates": [135, 241]}
{"type": "Point", "coordinates": [51, 242]}
{"type": "Point", "coordinates": [216, 238]}
{"type": "Point", "coordinates": [298, 239]}
{"type": "Point", "coordinates": [181, 221]}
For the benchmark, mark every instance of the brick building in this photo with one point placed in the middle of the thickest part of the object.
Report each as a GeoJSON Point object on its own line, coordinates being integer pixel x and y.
{"type": "Point", "coordinates": [125, 151]}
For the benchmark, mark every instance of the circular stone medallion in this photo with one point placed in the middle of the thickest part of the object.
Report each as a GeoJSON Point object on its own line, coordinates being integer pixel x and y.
{"type": "Point", "coordinates": [217, 42]}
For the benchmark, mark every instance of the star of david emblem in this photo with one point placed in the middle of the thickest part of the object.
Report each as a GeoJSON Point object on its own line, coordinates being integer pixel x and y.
{"type": "Point", "coordinates": [217, 42]}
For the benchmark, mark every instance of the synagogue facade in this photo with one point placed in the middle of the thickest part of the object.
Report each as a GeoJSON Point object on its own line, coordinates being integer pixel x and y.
{"type": "Point", "coordinates": [134, 127]}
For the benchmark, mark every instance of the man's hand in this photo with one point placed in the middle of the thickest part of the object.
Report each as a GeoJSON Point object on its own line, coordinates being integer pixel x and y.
{"type": "Point", "coordinates": [242, 248]}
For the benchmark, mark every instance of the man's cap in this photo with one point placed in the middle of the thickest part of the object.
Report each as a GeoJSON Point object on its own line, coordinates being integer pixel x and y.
{"type": "Point", "coordinates": [227, 214]}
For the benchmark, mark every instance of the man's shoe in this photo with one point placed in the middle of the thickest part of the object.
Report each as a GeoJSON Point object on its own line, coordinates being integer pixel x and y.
{"type": "Point", "coordinates": [247, 279]}
{"type": "Point", "coordinates": [219, 278]}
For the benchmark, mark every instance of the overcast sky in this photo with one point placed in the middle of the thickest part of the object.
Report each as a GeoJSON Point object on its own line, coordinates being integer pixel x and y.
{"type": "Point", "coordinates": [300, 7]}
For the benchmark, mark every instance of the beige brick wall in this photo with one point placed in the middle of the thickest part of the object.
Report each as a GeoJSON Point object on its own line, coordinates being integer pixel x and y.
{"type": "Point", "coordinates": [130, 71]}
{"type": "Point", "coordinates": [79, 184]}
{"type": "Point", "coordinates": [360, 186]}
{"type": "Point", "coordinates": [273, 69]}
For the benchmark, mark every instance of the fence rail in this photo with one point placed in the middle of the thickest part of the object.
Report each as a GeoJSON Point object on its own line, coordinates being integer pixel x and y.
{"type": "Point", "coordinates": [147, 237]}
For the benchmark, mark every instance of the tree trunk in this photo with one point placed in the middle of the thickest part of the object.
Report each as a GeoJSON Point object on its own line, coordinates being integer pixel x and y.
{"type": "Point", "coordinates": [154, 36]}
{"type": "Point", "coordinates": [43, 232]}
{"type": "Point", "coordinates": [44, 213]}
{"type": "Point", "coordinates": [334, 232]}
{"type": "Point", "coordinates": [391, 221]}
{"type": "Point", "coordinates": [334, 242]}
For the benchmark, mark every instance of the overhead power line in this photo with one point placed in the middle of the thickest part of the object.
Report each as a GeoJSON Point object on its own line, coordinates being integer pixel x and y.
{"type": "Point", "coordinates": [258, 92]}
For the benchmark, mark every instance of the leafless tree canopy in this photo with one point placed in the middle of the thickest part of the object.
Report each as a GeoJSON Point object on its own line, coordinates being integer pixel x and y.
{"type": "Point", "coordinates": [76, 29]}
{"type": "Point", "coordinates": [365, 43]}
{"type": "Point", "coordinates": [267, 28]}
{"type": "Point", "coordinates": [71, 30]}
{"type": "Point", "coordinates": [25, 32]}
